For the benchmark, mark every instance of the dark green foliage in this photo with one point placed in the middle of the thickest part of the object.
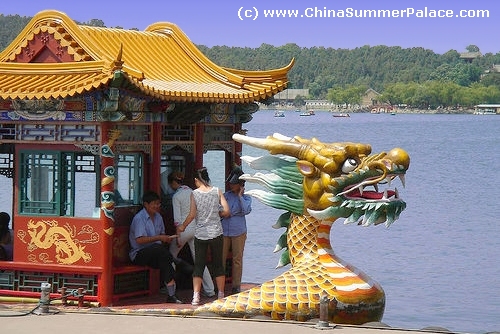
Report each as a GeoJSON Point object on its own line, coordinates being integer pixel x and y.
{"type": "Point", "coordinates": [321, 69]}
{"type": "Point", "coordinates": [10, 27]}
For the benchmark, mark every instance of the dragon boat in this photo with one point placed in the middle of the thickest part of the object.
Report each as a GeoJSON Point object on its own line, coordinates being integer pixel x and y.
{"type": "Point", "coordinates": [91, 117]}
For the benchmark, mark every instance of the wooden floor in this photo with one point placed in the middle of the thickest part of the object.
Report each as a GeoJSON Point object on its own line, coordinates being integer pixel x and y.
{"type": "Point", "coordinates": [160, 300]}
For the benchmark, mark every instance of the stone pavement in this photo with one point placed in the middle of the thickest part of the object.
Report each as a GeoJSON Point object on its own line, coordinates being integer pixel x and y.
{"type": "Point", "coordinates": [17, 321]}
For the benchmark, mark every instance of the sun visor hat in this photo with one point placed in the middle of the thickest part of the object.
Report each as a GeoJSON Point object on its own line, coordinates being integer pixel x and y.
{"type": "Point", "coordinates": [234, 177]}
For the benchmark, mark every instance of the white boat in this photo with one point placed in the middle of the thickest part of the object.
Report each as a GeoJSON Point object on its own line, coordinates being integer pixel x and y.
{"type": "Point", "coordinates": [342, 114]}
{"type": "Point", "coordinates": [484, 113]}
{"type": "Point", "coordinates": [279, 114]}
{"type": "Point", "coordinates": [307, 113]}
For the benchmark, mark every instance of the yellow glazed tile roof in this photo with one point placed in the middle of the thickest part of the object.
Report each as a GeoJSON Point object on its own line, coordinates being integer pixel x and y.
{"type": "Point", "coordinates": [160, 62]}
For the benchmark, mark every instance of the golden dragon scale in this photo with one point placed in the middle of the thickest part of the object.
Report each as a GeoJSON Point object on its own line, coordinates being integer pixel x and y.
{"type": "Point", "coordinates": [336, 180]}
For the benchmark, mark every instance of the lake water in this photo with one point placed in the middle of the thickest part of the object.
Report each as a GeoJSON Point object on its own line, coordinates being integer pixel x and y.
{"type": "Point", "coordinates": [439, 263]}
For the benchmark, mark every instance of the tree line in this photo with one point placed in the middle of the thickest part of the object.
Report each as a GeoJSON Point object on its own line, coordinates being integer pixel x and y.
{"type": "Point", "coordinates": [414, 76]}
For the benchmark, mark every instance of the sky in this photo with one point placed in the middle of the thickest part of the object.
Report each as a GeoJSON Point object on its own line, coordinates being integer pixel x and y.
{"type": "Point", "coordinates": [248, 23]}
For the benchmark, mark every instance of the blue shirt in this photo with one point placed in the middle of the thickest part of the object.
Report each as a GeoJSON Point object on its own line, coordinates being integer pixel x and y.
{"type": "Point", "coordinates": [143, 226]}
{"type": "Point", "coordinates": [239, 207]}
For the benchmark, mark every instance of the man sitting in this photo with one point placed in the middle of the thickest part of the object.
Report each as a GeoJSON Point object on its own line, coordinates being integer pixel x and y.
{"type": "Point", "coordinates": [149, 243]}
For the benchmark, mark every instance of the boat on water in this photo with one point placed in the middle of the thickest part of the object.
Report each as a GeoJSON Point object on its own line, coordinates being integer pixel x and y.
{"type": "Point", "coordinates": [342, 115]}
{"type": "Point", "coordinates": [307, 113]}
{"type": "Point", "coordinates": [485, 113]}
{"type": "Point", "coordinates": [279, 114]}
{"type": "Point", "coordinates": [487, 109]}
{"type": "Point", "coordinates": [82, 149]}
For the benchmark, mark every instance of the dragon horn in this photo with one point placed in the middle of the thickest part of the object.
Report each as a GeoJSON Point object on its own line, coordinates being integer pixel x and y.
{"type": "Point", "coordinates": [272, 144]}
{"type": "Point", "coordinates": [278, 144]}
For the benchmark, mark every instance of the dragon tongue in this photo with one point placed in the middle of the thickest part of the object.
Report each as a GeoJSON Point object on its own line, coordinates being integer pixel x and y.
{"type": "Point", "coordinates": [371, 194]}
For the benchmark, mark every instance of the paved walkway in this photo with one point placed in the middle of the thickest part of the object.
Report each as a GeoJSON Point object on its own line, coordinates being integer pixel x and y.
{"type": "Point", "coordinates": [16, 320]}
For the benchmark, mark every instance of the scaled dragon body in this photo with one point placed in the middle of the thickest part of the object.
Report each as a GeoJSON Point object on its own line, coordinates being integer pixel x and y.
{"type": "Point", "coordinates": [317, 183]}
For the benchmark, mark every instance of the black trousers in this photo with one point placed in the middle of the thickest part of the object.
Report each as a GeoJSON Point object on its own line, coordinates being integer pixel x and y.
{"type": "Point", "coordinates": [157, 256]}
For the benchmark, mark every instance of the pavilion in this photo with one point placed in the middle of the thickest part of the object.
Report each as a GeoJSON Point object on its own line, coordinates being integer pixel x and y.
{"type": "Point", "coordinates": [116, 109]}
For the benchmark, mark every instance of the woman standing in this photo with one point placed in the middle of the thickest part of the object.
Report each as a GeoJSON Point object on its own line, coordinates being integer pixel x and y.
{"type": "Point", "coordinates": [181, 206]}
{"type": "Point", "coordinates": [208, 205]}
{"type": "Point", "coordinates": [235, 225]}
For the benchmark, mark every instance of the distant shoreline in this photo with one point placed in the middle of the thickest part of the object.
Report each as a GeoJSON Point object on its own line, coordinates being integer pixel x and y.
{"type": "Point", "coordinates": [366, 111]}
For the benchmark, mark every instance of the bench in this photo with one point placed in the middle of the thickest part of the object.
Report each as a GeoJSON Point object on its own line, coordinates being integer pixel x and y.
{"type": "Point", "coordinates": [132, 281]}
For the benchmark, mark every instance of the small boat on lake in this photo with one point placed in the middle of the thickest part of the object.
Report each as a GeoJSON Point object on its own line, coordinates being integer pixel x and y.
{"type": "Point", "coordinates": [342, 114]}
{"type": "Point", "coordinates": [307, 113]}
{"type": "Point", "coordinates": [279, 114]}
{"type": "Point", "coordinates": [484, 113]}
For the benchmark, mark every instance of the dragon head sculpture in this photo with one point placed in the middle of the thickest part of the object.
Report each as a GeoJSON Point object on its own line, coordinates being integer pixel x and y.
{"type": "Point", "coordinates": [329, 180]}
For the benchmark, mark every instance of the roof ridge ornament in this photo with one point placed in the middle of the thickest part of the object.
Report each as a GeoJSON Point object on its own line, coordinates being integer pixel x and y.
{"type": "Point", "coordinates": [118, 63]}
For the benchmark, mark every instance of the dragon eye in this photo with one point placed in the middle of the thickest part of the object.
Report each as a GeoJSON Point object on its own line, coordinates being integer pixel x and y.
{"type": "Point", "coordinates": [349, 165]}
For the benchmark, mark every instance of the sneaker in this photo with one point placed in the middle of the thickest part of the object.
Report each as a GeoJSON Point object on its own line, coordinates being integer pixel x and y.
{"type": "Point", "coordinates": [196, 298]}
{"type": "Point", "coordinates": [220, 295]}
{"type": "Point", "coordinates": [235, 291]}
{"type": "Point", "coordinates": [196, 301]}
{"type": "Point", "coordinates": [208, 294]}
{"type": "Point", "coordinates": [173, 299]}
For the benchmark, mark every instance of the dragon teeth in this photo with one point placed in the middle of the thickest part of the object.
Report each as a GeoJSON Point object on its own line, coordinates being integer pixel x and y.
{"type": "Point", "coordinates": [384, 196]}
{"type": "Point", "coordinates": [403, 180]}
